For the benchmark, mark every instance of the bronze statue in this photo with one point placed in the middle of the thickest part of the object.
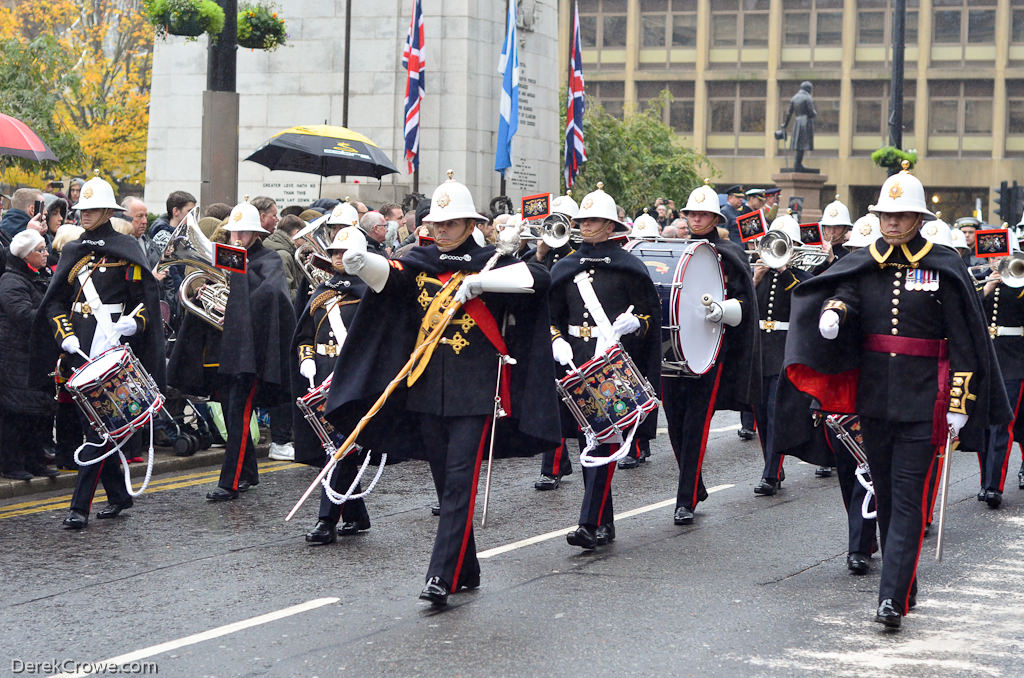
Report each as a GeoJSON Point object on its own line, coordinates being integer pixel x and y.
{"type": "Point", "coordinates": [802, 106]}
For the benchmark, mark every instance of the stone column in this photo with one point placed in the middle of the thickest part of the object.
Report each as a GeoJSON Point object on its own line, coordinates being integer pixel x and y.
{"type": "Point", "coordinates": [804, 185]}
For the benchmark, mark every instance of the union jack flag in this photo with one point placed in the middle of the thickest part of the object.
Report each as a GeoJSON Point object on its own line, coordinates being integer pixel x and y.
{"type": "Point", "coordinates": [575, 153]}
{"type": "Point", "coordinates": [414, 59]}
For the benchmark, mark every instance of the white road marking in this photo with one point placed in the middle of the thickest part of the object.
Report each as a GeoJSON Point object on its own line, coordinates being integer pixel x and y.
{"type": "Point", "coordinates": [105, 665]}
{"type": "Point", "coordinates": [734, 427]}
{"type": "Point", "coordinates": [498, 550]}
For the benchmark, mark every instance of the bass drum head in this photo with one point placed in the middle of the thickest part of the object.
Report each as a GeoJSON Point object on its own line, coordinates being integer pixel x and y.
{"type": "Point", "coordinates": [698, 273]}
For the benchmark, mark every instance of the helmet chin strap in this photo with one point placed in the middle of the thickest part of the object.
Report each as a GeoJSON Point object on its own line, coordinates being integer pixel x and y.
{"type": "Point", "coordinates": [458, 243]}
{"type": "Point", "coordinates": [906, 235]}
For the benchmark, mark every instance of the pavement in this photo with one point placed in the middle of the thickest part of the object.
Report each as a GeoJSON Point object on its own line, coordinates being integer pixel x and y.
{"type": "Point", "coordinates": [757, 586]}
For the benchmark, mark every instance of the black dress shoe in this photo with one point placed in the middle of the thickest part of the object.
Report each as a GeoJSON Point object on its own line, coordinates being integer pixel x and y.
{"type": "Point", "coordinates": [220, 494]}
{"type": "Point", "coordinates": [683, 516]}
{"type": "Point", "coordinates": [435, 510]}
{"type": "Point", "coordinates": [857, 563]}
{"type": "Point", "coordinates": [767, 487]}
{"type": "Point", "coordinates": [17, 475]}
{"type": "Point", "coordinates": [436, 592]}
{"type": "Point", "coordinates": [993, 498]}
{"type": "Point", "coordinates": [981, 495]}
{"type": "Point", "coordinates": [114, 510]}
{"type": "Point", "coordinates": [604, 534]}
{"type": "Point", "coordinates": [468, 582]}
{"type": "Point", "coordinates": [49, 454]}
{"type": "Point", "coordinates": [823, 472]}
{"type": "Point", "coordinates": [43, 471]}
{"type": "Point", "coordinates": [583, 536]}
{"type": "Point", "coordinates": [888, 614]}
{"type": "Point", "coordinates": [546, 482]}
{"type": "Point", "coordinates": [629, 461]}
{"type": "Point", "coordinates": [354, 527]}
{"type": "Point", "coordinates": [245, 485]}
{"type": "Point", "coordinates": [325, 532]}
{"type": "Point", "coordinates": [745, 434]}
{"type": "Point", "coordinates": [76, 520]}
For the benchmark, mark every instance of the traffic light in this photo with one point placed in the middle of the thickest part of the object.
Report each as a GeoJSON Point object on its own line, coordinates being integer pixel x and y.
{"type": "Point", "coordinates": [1003, 202]}
{"type": "Point", "coordinates": [1017, 202]}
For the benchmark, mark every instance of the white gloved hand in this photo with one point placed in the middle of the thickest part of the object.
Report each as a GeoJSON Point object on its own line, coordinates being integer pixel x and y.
{"type": "Point", "coordinates": [471, 288]}
{"type": "Point", "coordinates": [126, 326]}
{"type": "Point", "coordinates": [307, 368]}
{"type": "Point", "coordinates": [71, 344]}
{"type": "Point", "coordinates": [828, 324]}
{"type": "Point", "coordinates": [561, 350]}
{"type": "Point", "coordinates": [713, 314]}
{"type": "Point", "coordinates": [354, 261]}
{"type": "Point", "coordinates": [626, 323]}
{"type": "Point", "coordinates": [956, 421]}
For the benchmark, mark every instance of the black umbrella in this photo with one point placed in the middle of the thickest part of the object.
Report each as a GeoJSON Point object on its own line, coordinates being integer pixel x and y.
{"type": "Point", "coordinates": [327, 150]}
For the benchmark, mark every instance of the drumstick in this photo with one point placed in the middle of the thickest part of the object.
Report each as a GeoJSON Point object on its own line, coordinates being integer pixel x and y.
{"type": "Point", "coordinates": [136, 310]}
{"type": "Point", "coordinates": [312, 384]}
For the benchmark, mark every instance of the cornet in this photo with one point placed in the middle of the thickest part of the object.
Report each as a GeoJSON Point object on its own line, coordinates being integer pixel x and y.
{"type": "Point", "coordinates": [776, 250]}
{"type": "Point", "coordinates": [1010, 270]}
{"type": "Point", "coordinates": [556, 230]}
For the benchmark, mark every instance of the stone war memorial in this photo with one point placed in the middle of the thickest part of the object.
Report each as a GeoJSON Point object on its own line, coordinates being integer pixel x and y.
{"type": "Point", "coordinates": [303, 83]}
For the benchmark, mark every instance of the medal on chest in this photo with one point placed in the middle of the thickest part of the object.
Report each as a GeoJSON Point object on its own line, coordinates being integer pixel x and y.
{"type": "Point", "coordinates": [921, 280]}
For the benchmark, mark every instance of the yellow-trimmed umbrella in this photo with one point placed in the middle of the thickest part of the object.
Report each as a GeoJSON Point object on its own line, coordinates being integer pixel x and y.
{"type": "Point", "coordinates": [327, 150]}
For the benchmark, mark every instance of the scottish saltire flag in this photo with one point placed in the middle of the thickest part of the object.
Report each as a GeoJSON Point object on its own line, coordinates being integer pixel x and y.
{"type": "Point", "coordinates": [575, 153]}
{"type": "Point", "coordinates": [415, 61]}
{"type": "Point", "coordinates": [508, 120]}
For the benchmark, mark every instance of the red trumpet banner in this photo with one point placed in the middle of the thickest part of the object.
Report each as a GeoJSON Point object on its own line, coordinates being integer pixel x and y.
{"type": "Point", "coordinates": [993, 242]}
{"type": "Point", "coordinates": [536, 206]}
{"type": "Point", "coordinates": [230, 258]}
{"type": "Point", "coordinates": [752, 225]}
{"type": "Point", "coordinates": [810, 234]}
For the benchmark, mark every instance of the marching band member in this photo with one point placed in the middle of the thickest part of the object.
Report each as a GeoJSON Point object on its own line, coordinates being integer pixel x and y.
{"type": "Point", "coordinates": [895, 333]}
{"type": "Point", "coordinates": [319, 336]}
{"type": "Point", "coordinates": [445, 403]}
{"type": "Point", "coordinates": [625, 291]}
{"type": "Point", "coordinates": [734, 382]}
{"type": "Point", "coordinates": [99, 279]}
{"type": "Point", "coordinates": [774, 290]}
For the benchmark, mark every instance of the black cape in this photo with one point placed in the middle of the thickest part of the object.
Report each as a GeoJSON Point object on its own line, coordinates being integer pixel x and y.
{"type": "Point", "coordinates": [148, 346]}
{"type": "Point", "coordinates": [646, 350]}
{"type": "Point", "coordinates": [383, 336]}
{"type": "Point", "coordinates": [826, 370]}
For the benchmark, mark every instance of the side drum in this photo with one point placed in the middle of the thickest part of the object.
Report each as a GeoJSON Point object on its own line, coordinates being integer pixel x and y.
{"type": "Point", "coordinates": [312, 407]}
{"type": "Point", "coordinates": [116, 393]}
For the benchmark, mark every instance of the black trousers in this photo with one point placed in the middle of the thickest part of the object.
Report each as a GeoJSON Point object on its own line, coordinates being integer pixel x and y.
{"type": "Point", "coordinates": [281, 423]}
{"type": "Point", "coordinates": [765, 418]}
{"type": "Point", "coordinates": [689, 405]}
{"type": "Point", "coordinates": [108, 471]}
{"type": "Point", "coordinates": [902, 460]}
{"type": "Point", "coordinates": [995, 456]}
{"type": "Point", "coordinates": [68, 427]}
{"type": "Point", "coordinates": [597, 506]}
{"type": "Point", "coordinates": [236, 399]}
{"type": "Point", "coordinates": [455, 447]}
{"type": "Point", "coordinates": [860, 529]}
{"type": "Point", "coordinates": [353, 510]}
{"type": "Point", "coordinates": [556, 462]}
{"type": "Point", "coordinates": [22, 437]}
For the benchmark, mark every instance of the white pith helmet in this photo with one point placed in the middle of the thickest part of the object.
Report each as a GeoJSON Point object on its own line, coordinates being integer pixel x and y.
{"type": "Point", "coordinates": [866, 230]}
{"type": "Point", "coordinates": [704, 199]}
{"type": "Point", "coordinates": [348, 238]}
{"type": "Point", "coordinates": [96, 194]}
{"type": "Point", "coordinates": [452, 200]}
{"type": "Point", "coordinates": [788, 224]}
{"type": "Point", "coordinates": [644, 226]}
{"type": "Point", "coordinates": [564, 204]}
{"type": "Point", "coordinates": [835, 214]}
{"type": "Point", "coordinates": [938, 231]}
{"type": "Point", "coordinates": [245, 217]}
{"type": "Point", "coordinates": [902, 192]}
{"type": "Point", "coordinates": [599, 205]}
{"type": "Point", "coordinates": [344, 214]}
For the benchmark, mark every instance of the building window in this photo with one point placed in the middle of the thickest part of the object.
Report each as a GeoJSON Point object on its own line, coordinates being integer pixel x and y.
{"type": "Point", "coordinates": [1015, 107]}
{"type": "Point", "coordinates": [668, 22]}
{"type": "Point", "coordinates": [812, 23]}
{"type": "Point", "coordinates": [611, 96]}
{"type": "Point", "coordinates": [871, 107]}
{"type": "Point", "coordinates": [826, 103]}
{"type": "Point", "coordinates": [964, 22]}
{"type": "Point", "coordinates": [1017, 27]}
{"type": "Point", "coordinates": [739, 23]}
{"type": "Point", "coordinates": [736, 107]}
{"type": "Point", "coordinates": [957, 107]}
{"type": "Point", "coordinates": [678, 111]}
{"type": "Point", "coordinates": [874, 22]}
{"type": "Point", "coordinates": [603, 23]}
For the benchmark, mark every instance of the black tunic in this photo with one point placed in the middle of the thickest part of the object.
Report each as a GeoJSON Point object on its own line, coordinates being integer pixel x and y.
{"type": "Point", "coordinates": [774, 296]}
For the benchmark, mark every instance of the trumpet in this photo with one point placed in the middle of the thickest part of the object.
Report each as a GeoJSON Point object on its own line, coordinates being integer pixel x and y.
{"type": "Point", "coordinates": [776, 250]}
{"type": "Point", "coordinates": [1010, 270]}
{"type": "Point", "coordinates": [209, 286]}
{"type": "Point", "coordinates": [317, 239]}
{"type": "Point", "coordinates": [556, 230]}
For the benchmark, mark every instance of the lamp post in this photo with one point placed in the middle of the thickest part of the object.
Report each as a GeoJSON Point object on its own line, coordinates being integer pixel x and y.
{"type": "Point", "coordinates": [899, 22]}
{"type": "Point", "coordinates": [219, 164]}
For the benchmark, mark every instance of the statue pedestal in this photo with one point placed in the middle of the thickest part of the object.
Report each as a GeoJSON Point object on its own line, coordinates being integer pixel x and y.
{"type": "Point", "coordinates": [802, 185]}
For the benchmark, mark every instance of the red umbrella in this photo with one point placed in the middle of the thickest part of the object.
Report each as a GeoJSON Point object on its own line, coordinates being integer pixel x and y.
{"type": "Point", "coordinates": [17, 139]}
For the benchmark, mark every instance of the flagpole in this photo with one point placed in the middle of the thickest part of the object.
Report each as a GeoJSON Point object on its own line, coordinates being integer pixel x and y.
{"type": "Point", "coordinates": [501, 190]}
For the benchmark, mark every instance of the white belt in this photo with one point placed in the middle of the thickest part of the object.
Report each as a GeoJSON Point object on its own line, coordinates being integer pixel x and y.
{"type": "Point", "coordinates": [583, 332]}
{"type": "Point", "coordinates": [329, 350]}
{"type": "Point", "coordinates": [85, 309]}
{"type": "Point", "coordinates": [1000, 331]}
{"type": "Point", "coordinates": [774, 325]}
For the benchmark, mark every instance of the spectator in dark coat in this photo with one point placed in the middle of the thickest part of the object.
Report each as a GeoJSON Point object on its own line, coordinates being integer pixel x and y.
{"type": "Point", "coordinates": [26, 415]}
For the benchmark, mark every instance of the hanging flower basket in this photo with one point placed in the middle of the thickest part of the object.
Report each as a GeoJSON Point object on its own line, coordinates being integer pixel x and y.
{"type": "Point", "coordinates": [259, 27]}
{"type": "Point", "coordinates": [190, 18]}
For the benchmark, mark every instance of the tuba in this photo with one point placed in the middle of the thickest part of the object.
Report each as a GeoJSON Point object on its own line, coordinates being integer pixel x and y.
{"type": "Point", "coordinates": [317, 239]}
{"type": "Point", "coordinates": [203, 292]}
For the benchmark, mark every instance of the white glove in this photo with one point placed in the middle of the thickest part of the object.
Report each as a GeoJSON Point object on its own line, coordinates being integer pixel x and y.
{"type": "Point", "coordinates": [828, 324]}
{"type": "Point", "coordinates": [71, 344]}
{"type": "Point", "coordinates": [471, 288]}
{"type": "Point", "coordinates": [626, 323]}
{"type": "Point", "coordinates": [956, 421]}
{"type": "Point", "coordinates": [354, 261]}
{"type": "Point", "coordinates": [372, 268]}
{"type": "Point", "coordinates": [561, 350]}
{"type": "Point", "coordinates": [126, 326]}
{"type": "Point", "coordinates": [307, 368]}
{"type": "Point", "coordinates": [713, 314]}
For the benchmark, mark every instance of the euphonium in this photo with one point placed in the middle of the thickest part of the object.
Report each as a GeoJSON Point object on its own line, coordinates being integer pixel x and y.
{"type": "Point", "coordinates": [317, 239]}
{"type": "Point", "coordinates": [203, 292]}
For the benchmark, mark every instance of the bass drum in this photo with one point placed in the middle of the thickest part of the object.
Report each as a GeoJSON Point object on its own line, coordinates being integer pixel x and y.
{"type": "Point", "coordinates": [684, 271]}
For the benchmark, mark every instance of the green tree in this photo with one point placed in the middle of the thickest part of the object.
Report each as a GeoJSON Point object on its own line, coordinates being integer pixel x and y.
{"type": "Point", "coordinates": [638, 158]}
